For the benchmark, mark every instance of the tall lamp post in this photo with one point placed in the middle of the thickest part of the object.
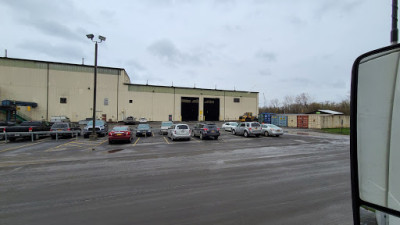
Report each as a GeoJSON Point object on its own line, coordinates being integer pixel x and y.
{"type": "Point", "coordinates": [93, 136]}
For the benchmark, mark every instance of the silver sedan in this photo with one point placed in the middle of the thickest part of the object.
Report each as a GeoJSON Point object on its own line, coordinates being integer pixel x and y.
{"type": "Point", "coordinates": [271, 130]}
{"type": "Point", "coordinates": [228, 126]}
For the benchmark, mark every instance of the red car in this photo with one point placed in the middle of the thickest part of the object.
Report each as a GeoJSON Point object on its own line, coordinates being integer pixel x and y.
{"type": "Point", "coordinates": [120, 133]}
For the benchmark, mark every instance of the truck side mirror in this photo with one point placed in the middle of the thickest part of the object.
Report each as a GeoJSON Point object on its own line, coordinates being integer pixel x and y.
{"type": "Point", "coordinates": [375, 136]}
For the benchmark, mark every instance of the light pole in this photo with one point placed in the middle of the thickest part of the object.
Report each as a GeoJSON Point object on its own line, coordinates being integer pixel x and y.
{"type": "Point", "coordinates": [93, 136]}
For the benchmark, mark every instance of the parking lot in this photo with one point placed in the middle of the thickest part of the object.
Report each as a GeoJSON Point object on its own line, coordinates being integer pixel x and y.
{"type": "Point", "coordinates": [302, 177]}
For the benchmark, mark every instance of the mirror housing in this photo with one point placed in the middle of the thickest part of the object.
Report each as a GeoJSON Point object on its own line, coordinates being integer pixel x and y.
{"type": "Point", "coordinates": [375, 132]}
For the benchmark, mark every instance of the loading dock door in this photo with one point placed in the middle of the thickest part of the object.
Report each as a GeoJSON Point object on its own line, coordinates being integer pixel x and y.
{"type": "Point", "coordinates": [190, 109]}
{"type": "Point", "coordinates": [211, 109]}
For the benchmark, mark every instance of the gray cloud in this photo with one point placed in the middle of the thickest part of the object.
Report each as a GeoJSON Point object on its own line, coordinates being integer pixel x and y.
{"type": "Point", "coordinates": [136, 65]}
{"type": "Point", "coordinates": [53, 50]}
{"type": "Point", "coordinates": [51, 19]}
{"type": "Point", "coordinates": [337, 6]}
{"type": "Point", "coordinates": [265, 73]}
{"type": "Point", "coordinates": [170, 54]}
{"type": "Point", "coordinates": [267, 56]}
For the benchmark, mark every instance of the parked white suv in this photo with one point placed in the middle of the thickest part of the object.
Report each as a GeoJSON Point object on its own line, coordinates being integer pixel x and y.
{"type": "Point", "coordinates": [179, 131]}
{"type": "Point", "coordinates": [247, 129]}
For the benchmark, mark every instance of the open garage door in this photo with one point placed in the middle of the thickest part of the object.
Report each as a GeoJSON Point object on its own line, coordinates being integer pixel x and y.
{"type": "Point", "coordinates": [190, 109]}
{"type": "Point", "coordinates": [211, 109]}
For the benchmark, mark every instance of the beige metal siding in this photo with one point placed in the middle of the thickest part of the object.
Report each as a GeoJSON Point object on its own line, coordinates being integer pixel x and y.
{"type": "Point", "coordinates": [46, 82]}
{"type": "Point", "coordinates": [319, 121]}
{"type": "Point", "coordinates": [292, 120]}
{"type": "Point", "coordinates": [25, 84]}
{"type": "Point", "coordinates": [314, 121]}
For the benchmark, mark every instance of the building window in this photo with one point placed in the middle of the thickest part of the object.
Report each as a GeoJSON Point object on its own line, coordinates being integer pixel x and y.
{"type": "Point", "coordinates": [236, 100]}
{"type": "Point", "coordinates": [63, 100]}
{"type": "Point", "coordinates": [105, 101]}
{"type": "Point", "coordinates": [130, 101]}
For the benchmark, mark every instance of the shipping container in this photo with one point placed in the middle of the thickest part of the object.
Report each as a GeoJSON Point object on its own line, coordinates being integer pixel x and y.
{"type": "Point", "coordinates": [292, 120]}
{"type": "Point", "coordinates": [282, 121]}
{"type": "Point", "coordinates": [275, 120]}
{"type": "Point", "coordinates": [319, 121]}
{"type": "Point", "coordinates": [302, 121]}
{"type": "Point", "coordinates": [265, 117]}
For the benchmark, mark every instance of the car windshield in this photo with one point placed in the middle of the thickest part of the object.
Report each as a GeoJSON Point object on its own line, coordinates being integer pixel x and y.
{"type": "Point", "coordinates": [98, 123]}
{"type": "Point", "coordinates": [125, 128]}
{"type": "Point", "coordinates": [233, 124]}
{"type": "Point", "coordinates": [182, 127]}
{"type": "Point", "coordinates": [211, 126]}
{"type": "Point", "coordinates": [143, 126]}
{"type": "Point", "coordinates": [255, 124]}
{"type": "Point", "coordinates": [60, 125]}
{"type": "Point", "coordinates": [272, 126]}
{"type": "Point", "coordinates": [166, 124]}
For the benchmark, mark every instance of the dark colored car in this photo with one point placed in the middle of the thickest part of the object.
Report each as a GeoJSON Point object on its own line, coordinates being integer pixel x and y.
{"type": "Point", "coordinates": [120, 133]}
{"type": "Point", "coordinates": [65, 129]}
{"type": "Point", "coordinates": [204, 130]}
{"type": "Point", "coordinates": [143, 129]}
{"type": "Point", "coordinates": [130, 120]}
{"type": "Point", "coordinates": [25, 129]}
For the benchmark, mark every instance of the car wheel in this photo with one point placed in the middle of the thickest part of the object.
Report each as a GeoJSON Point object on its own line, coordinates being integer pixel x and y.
{"type": "Point", "coordinates": [233, 132]}
{"type": "Point", "coordinates": [257, 135]}
{"type": "Point", "coordinates": [216, 137]}
{"type": "Point", "coordinates": [246, 134]}
{"type": "Point", "coordinates": [277, 135]}
{"type": "Point", "coordinates": [12, 139]}
{"type": "Point", "coordinates": [192, 134]}
{"type": "Point", "coordinates": [201, 136]}
{"type": "Point", "coordinates": [266, 134]}
{"type": "Point", "coordinates": [53, 136]}
{"type": "Point", "coordinates": [110, 142]}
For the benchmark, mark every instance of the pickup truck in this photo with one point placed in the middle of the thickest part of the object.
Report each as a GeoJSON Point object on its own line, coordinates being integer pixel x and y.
{"type": "Point", "coordinates": [25, 128]}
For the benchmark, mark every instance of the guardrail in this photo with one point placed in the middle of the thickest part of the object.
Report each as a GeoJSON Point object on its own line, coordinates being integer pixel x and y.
{"type": "Point", "coordinates": [36, 134]}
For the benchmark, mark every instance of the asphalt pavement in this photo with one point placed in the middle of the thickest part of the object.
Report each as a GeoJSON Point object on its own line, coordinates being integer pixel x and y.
{"type": "Point", "coordinates": [293, 179]}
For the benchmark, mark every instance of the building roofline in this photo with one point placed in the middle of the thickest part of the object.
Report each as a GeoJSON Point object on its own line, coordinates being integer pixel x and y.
{"type": "Point", "coordinates": [193, 88]}
{"type": "Point", "coordinates": [61, 63]}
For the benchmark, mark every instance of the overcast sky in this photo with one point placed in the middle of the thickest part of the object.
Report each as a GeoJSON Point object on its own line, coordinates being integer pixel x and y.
{"type": "Point", "coordinates": [275, 47]}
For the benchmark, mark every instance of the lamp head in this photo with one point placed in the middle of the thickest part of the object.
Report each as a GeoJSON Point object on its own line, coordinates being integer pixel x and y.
{"type": "Point", "coordinates": [90, 36]}
{"type": "Point", "coordinates": [102, 38]}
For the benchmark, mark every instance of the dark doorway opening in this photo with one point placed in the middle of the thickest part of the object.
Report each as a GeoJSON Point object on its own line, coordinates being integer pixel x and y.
{"type": "Point", "coordinates": [211, 109]}
{"type": "Point", "coordinates": [190, 109]}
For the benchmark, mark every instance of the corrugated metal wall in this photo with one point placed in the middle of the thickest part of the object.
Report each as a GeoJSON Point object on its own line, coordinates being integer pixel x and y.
{"type": "Point", "coordinates": [292, 121]}
{"type": "Point", "coordinates": [312, 121]}
{"type": "Point", "coordinates": [302, 121]}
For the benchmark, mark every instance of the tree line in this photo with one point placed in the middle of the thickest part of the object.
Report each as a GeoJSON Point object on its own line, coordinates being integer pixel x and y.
{"type": "Point", "coordinates": [303, 103]}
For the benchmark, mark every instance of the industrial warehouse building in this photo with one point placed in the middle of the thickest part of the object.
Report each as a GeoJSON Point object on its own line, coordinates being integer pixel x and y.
{"type": "Point", "coordinates": [47, 89]}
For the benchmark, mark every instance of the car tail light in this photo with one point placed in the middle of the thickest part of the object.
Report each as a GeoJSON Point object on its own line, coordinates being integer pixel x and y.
{"type": "Point", "coordinates": [249, 128]}
{"type": "Point", "coordinates": [205, 129]}
{"type": "Point", "coordinates": [50, 129]}
{"type": "Point", "coordinates": [218, 129]}
{"type": "Point", "coordinates": [174, 131]}
{"type": "Point", "coordinates": [30, 129]}
{"type": "Point", "coordinates": [128, 133]}
{"type": "Point", "coordinates": [110, 134]}
{"type": "Point", "coordinates": [69, 129]}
